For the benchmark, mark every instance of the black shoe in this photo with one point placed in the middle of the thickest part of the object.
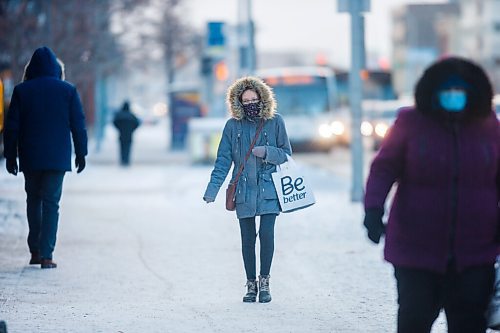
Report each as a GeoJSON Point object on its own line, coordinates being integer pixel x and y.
{"type": "Point", "coordinates": [48, 263]}
{"type": "Point", "coordinates": [35, 258]}
{"type": "Point", "coordinates": [251, 295]}
{"type": "Point", "coordinates": [264, 294]}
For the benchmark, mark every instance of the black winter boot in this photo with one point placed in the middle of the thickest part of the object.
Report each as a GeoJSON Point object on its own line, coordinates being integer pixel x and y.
{"type": "Point", "coordinates": [264, 294]}
{"type": "Point", "coordinates": [251, 295]}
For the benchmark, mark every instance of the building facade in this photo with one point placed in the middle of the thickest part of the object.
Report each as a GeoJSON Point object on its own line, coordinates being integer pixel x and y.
{"type": "Point", "coordinates": [423, 33]}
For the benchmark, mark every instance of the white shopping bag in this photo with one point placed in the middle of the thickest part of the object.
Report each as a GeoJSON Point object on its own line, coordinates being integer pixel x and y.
{"type": "Point", "coordinates": [294, 192]}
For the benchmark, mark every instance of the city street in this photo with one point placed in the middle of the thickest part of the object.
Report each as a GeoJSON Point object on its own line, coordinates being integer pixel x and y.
{"type": "Point", "coordinates": [138, 93]}
{"type": "Point", "coordinates": [139, 251]}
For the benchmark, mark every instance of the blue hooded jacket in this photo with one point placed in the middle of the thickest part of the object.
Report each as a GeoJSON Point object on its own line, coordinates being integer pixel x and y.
{"type": "Point", "coordinates": [45, 112]}
{"type": "Point", "coordinates": [255, 193]}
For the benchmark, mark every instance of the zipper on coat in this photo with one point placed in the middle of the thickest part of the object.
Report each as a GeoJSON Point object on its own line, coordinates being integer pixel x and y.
{"type": "Point", "coordinates": [454, 191]}
{"type": "Point", "coordinates": [238, 143]}
{"type": "Point", "coordinates": [266, 144]}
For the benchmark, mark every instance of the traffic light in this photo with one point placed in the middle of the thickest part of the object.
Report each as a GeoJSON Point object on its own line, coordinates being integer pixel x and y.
{"type": "Point", "coordinates": [221, 71]}
{"type": "Point", "coordinates": [364, 74]}
{"type": "Point", "coordinates": [206, 66]}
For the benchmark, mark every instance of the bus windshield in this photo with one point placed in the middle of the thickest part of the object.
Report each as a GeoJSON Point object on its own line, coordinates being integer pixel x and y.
{"type": "Point", "coordinates": [307, 95]}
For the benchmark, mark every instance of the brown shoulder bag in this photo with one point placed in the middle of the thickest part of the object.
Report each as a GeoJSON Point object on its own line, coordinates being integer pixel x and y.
{"type": "Point", "coordinates": [231, 188]}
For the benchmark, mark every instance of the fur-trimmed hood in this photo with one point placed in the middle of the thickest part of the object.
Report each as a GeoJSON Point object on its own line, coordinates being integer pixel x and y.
{"type": "Point", "coordinates": [479, 89]}
{"type": "Point", "coordinates": [266, 95]}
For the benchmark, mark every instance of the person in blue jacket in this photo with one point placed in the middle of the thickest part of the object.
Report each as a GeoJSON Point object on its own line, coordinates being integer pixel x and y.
{"type": "Point", "coordinates": [44, 114]}
{"type": "Point", "coordinates": [251, 103]}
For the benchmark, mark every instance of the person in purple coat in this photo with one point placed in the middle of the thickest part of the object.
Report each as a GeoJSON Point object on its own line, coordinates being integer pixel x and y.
{"type": "Point", "coordinates": [443, 154]}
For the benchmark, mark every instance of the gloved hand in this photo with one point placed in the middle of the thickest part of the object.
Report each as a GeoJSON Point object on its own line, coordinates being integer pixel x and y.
{"type": "Point", "coordinates": [11, 166]}
{"type": "Point", "coordinates": [208, 200]}
{"type": "Point", "coordinates": [80, 163]}
{"type": "Point", "coordinates": [373, 223]}
{"type": "Point", "coordinates": [259, 151]}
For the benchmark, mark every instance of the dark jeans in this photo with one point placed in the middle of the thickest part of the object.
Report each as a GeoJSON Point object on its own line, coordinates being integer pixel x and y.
{"type": "Point", "coordinates": [125, 152]}
{"type": "Point", "coordinates": [248, 238]}
{"type": "Point", "coordinates": [463, 295]}
{"type": "Point", "coordinates": [43, 189]}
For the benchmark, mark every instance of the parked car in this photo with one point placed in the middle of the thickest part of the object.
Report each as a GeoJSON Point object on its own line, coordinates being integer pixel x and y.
{"type": "Point", "coordinates": [382, 122]}
{"type": "Point", "coordinates": [381, 114]}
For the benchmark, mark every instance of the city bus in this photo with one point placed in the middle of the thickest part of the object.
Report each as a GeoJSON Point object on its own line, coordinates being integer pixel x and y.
{"type": "Point", "coordinates": [307, 100]}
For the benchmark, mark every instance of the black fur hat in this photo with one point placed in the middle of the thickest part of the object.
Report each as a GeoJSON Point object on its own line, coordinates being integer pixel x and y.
{"type": "Point", "coordinates": [478, 87]}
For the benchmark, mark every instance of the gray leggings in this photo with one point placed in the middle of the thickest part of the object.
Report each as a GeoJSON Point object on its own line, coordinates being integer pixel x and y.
{"type": "Point", "coordinates": [248, 238]}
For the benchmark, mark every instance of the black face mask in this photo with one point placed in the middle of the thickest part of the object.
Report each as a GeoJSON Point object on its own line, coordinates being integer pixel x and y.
{"type": "Point", "coordinates": [252, 110]}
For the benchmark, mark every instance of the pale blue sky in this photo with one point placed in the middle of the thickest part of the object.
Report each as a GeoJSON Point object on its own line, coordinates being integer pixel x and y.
{"type": "Point", "coordinates": [313, 25]}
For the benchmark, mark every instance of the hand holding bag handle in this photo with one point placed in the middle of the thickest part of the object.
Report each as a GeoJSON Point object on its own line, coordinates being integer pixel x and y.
{"type": "Point", "coordinates": [231, 188]}
{"type": "Point", "coordinates": [285, 165]}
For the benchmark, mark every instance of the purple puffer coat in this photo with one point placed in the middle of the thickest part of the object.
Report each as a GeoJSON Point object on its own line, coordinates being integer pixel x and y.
{"type": "Point", "coordinates": [447, 198]}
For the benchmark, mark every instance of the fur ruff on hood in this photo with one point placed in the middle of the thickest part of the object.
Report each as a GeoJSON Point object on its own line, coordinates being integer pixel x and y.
{"type": "Point", "coordinates": [479, 89]}
{"type": "Point", "coordinates": [266, 95]}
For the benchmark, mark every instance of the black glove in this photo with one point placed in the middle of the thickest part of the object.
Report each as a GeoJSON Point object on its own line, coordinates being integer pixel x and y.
{"type": "Point", "coordinates": [11, 166]}
{"type": "Point", "coordinates": [80, 163]}
{"type": "Point", "coordinates": [373, 223]}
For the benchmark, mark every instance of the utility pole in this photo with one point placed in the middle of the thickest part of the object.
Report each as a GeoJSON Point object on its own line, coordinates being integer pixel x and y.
{"type": "Point", "coordinates": [246, 37]}
{"type": "Point", "coordinates": [100, 97]}
{"type": "Point", "coordinates": [355, 8]}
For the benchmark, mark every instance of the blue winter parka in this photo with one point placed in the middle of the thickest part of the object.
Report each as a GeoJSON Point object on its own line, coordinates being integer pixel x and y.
{"type": "Point", "coordinates": [44, 114]}
{"type": "Point", "coordinates": [255, 192]}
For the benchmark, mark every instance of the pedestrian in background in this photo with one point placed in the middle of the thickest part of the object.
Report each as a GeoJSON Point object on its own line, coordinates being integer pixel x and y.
{"type": "Point", "coordinates": [45, 112]}
{"type": "Point", "coordinates": [253, 115]}
{"type": "Point", "coordinates": [442, 233]}
{"type": "Point", "coordinates": [126, 123]}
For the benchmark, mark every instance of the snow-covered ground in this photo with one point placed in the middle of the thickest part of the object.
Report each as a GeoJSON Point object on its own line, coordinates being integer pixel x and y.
{"type": "Point", "coordinates": [139, 251]}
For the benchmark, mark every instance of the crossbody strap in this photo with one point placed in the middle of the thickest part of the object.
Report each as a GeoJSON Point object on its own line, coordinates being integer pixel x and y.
{"type": "Point", "coordinates": [242, 166]}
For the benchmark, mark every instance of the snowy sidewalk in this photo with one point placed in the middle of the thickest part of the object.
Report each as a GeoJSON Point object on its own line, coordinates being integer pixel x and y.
{"type": "Point", "coordinates": [139, 251]}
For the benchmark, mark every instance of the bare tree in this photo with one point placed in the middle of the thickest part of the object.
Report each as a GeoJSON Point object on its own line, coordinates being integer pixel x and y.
{"type": "Point", "coordinates": [78, 31]}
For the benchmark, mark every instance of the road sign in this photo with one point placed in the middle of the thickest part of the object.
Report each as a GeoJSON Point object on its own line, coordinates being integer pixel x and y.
{"type": "Point", "coordinates": [215, 35]}
{"type": "Point", "coordinates": [216, 39]}
{"type": "Point", "coordinates": [344, 6]}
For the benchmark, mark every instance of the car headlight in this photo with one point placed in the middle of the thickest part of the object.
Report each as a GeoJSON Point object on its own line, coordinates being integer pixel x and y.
{"type": "Point", "coordinates": [337, 127]}
{"type": "Point", "coordinates": [160, 109]}
{"type": "Point", "coordinates": [381, 129]}
{"type": "Point", "coordinates": [325, 131]}
{"type": "Point", "coordinates": [366, 128]}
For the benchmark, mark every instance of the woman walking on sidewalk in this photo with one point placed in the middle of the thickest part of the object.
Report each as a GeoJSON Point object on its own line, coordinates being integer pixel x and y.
{"type": "Point", "coordinates": [254, 140]}
{"type": "Point", "coordinates": [442, 234]}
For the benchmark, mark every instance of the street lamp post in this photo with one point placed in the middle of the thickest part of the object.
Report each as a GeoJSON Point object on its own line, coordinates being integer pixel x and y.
{"type": "Point", "coordinates": [246, 36]}
{"type": "Point", "coordinates": [355, 8]}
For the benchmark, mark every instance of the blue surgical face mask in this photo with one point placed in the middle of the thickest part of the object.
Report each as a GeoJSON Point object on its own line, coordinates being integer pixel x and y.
{"type": "Point", "coordinates": [453, 100]}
